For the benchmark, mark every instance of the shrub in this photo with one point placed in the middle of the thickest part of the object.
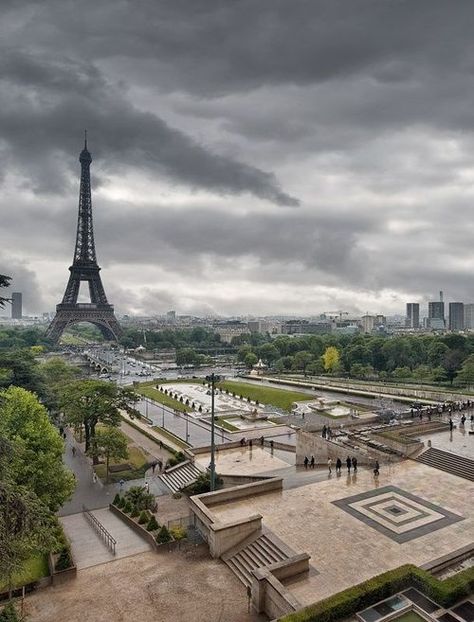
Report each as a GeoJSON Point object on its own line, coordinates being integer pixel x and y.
{"type": "Point", "coordinates": [345, 604]}
{"type": "Point", "coordinates": [64, 560]}
{"type": "Point", "coordinates": [9, 614]}
{"type": "Point", "coordinates": [144, 517]}
{"type": "Point", "coordinates": [135, 512]}
{"type": "Point", "coordinates": [140, 498]}
{"type": "Point", "coordinates": [202, 484]}
{"type": "Point", "coordinates": [178, 532]}
{"type": "Point", "coordinates": [152, 524]}
{"type": "Point", "coordinates": [127, 508]}
{"type": "Point", "coordinates": [121, 502]}
{"type": "Point", "coordinates": [176, 459]}
{"type": "Point", "coordinates": [116, 499]}
{"type": "Point", "coordinates": [163, 536]}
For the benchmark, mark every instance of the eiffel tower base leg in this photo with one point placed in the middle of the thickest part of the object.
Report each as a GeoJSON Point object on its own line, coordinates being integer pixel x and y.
{"type": "Point", "coordinates": [101, 316]}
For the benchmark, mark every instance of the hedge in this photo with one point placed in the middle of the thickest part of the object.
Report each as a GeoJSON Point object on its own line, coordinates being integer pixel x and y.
{"type": "Point", "coordinates": [358, 597]}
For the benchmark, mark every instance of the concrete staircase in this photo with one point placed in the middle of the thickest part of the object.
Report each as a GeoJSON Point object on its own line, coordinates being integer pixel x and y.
{"type": "Point", "coordinates": [258, 551]}
{"type": "Point", "coordinates": [446, 461]}
{"type": "Point", "coordinates": [180, 476]}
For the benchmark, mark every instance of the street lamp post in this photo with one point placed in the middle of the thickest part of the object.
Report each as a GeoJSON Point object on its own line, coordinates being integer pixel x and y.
{"type": "Point", "coordinates": [163, 416]}
{"type": "Point", "coordinates": [212, 467]}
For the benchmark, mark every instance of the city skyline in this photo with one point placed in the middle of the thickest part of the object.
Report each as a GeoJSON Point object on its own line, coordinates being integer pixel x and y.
{"type": "Point", "coordinates": [324, 176]}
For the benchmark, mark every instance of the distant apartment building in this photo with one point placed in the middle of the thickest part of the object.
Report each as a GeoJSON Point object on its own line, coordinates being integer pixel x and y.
{"type": "Point", "coordinates": [304, 327]}
{"type": "Point", "coordinates": [469, 316]}
{"type": "Point", "coordinates": [367, 323]}
{"type": "Point", "coordinates": [17, 305]}
{"type": "Point", "coordinates": [456, 316]}
{"type": "Point", "coordinates": [264, 326]}
{"type": "Point", "coordinates": [228, 330]}
{"type": "Point", "coordinates": [413, 315]}
{"type": "Point", "coordinates": [436, 315]}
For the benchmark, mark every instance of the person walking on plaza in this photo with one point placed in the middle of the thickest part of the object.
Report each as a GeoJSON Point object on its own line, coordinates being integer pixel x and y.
{"type": "Point", "coordinates": [349, 464]}
{"type": "Point", "coordinates": [323, 433]}
{"type": "Point", "coordinates": [73, 449]}
{"type": "Point", "coordinates": [376, 468]}
{"type": "Point", "coordinates": [329, 465]}
{"type": "Point", "coordinates": [305, 462]}
{"type": "Point", "coordinates": [451, 425]}
{"type": "Point", "coordinates": [338, 465]}
{"type": "Point", "coordinates": [312, 462]}
{"type": "Point", "coordinates": [354, 464]}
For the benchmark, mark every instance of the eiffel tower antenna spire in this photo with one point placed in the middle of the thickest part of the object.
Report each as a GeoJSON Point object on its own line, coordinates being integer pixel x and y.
{"type": "Point", "coordinates": [85, 268]}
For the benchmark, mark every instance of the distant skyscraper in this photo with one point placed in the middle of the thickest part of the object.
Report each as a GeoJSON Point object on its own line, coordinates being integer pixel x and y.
{"type": "Point", "coordinates": [413, 315]}
{"type": "Point", "coordinates": [456, 316]}
{"type": "Point", "coordinates": [469, 315]}
{"type": "Point", "coordinates": [17, 311]}
{"type": "Point", "coordinates": [436, 315]}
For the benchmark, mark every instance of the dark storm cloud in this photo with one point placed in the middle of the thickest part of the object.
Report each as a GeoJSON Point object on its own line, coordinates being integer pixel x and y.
{"type": "Point", "coordinates": [363, 110]}
{"type": "Point", "coordinates": [23, 279]}
{"type": "Point", "coordinates": [60, 98]}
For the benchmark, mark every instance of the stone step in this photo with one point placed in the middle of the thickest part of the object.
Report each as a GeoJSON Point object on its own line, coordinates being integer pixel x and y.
{"type": "Point", "coordinates": [261, 552]}
{"type": "Point", "coordinates": [181, 476]}
{"type": "Point", "coordinates": [448, 462]}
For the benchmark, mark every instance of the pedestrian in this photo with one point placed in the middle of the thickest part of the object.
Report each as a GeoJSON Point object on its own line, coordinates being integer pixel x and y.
{"type": "Point", "coordinates": [338, 465]}
{"type": "Point", "coordinates": [328, 433]}
{"type": "Point", "coordinates": [349, 464]}
{"type": "Point", "coordinates": [323, 433]}
{"type": "Point", "coordinates": [451, 425]}
{"type": "Point", "coordinates": [463, 420]}
{"type": "Point", "coordinates": [161, 444]}
{"type": "Point", "coordinates": [305, 462]}
{"type": "Point", "coordinates": [312, 462]}
{"type": "Point", "coordinates": [94, 477]}
{"type": "Point", "coordinates": [262, 441]}
{"type": "Point", "coordinates": [250, 443]}
{"type": "Point", "coordinates": [329, 465]}
{"type": "Point", "coordinates": [73, 449]}
{"type": "Point", "coordinates": [472, 419]}
{"type": "Point", "coordinates": [354, 464]}
{"type": "Point", "coordinates": [153, 467]}
{"type": "Point", "coordinates": [160, 465]}
{"type": "Point", "coordinates": [376, 468]}
{"type": "Point", "coordinates": [121, 482]}
{"type": "Point", "coordinates": [271, 445]}
{"type": "Point", "coordinates": [147, 487]}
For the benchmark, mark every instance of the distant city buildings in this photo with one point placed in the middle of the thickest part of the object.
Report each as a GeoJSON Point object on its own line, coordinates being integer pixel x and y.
{"type": "Point", "coordinates": [413, 315]}
{"type": "Point", "coordinates": [17, 306]}
{"type": "Point", "coordinates": [456, 316]}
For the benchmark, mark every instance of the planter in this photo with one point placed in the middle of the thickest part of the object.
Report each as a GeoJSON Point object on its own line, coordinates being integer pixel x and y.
{"type": "Point", "coordinates": [142, 531]}
{"type": "Point", "coordinates": [58, 577]}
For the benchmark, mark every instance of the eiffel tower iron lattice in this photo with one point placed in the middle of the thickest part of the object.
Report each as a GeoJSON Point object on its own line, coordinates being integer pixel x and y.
{"type": "Point", "coordinates": [84, 268]}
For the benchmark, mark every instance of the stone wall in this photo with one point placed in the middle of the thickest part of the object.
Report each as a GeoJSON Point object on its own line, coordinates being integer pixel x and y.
{"type": "Point", "coordinates": [309, 443]}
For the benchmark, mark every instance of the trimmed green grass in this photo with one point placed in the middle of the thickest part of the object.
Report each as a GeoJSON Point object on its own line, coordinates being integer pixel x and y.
{"type": "Point", "coordinates": [34, 569]}
{"type": "Point", "coordinates": [169, 435]}
{"type": "Point", "coordinates": [265, 395]}
{"type": "Point", "coordinates": [158, 396]}
{"type": "Point", "coordinates": [136, 459]}
{"type": "Point", "coordinates": [226, 425]}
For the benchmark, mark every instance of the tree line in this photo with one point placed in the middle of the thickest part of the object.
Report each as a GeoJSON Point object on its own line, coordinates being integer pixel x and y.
{"type": "Point", "coordinates": [420, 358]}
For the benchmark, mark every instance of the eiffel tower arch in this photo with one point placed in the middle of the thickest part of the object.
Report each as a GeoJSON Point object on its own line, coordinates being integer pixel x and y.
{"type": "Point", "coordinates": [85, 269]}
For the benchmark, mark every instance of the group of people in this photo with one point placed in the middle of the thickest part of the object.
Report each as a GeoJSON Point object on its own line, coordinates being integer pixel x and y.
{"type": "Point", "coordinates": [309, 462]}
{"type": "Point", "coordinates": [350, 463]}
{"type": "Point", "coordinates": [326, 432]}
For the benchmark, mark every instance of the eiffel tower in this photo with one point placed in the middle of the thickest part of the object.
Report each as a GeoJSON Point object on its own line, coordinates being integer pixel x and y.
{"type": "Point", "coordinates": [84, 268]}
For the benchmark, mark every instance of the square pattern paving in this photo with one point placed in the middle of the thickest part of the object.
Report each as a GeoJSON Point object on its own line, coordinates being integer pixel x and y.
{"type": "Point", "coordinates": [397, 513]}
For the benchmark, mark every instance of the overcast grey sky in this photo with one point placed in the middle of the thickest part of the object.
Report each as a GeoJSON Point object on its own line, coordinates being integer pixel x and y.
{"type": "Point", "coordinates": [249, 156]}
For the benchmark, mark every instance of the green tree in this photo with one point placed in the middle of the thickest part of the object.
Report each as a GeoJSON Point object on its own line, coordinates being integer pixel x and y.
{"type": "Point", "coordinates": [268, 353]}
{"type": "Point", "coordinates": [26, 527]}
{"type": "Point", "coordinates": [110, 443]}
{"type": "Point", "coordinates": [452, 363]}
{"type": "Point", "coordinates": [301, 360]}
{"type": "Point", "coordinates": [22, 370]}
{"type": "Point", "coordinates": [466, 375]}
{"type": "Point", "coordinates": [90, 402]}
{"type": "Point", "coordinates": [250, 360]}
{"type": "Point", "coordinates": [331, 359]}
{"type": "Point", "coordinates": [57, 374]}
{"type": "Point", "coordinates": [186, 356]}
{"type": "Point", "coordinates": [4, 282]}
{"type": "Point", "coordinates": [38, 448]}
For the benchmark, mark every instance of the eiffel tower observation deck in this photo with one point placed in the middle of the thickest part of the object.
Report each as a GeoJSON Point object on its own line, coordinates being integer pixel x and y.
{"type": "Point", "coordinates": [85, 268]}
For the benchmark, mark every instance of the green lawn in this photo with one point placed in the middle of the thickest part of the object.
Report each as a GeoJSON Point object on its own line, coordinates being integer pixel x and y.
{"type": "Point", "coordinates": [265, 395]}
{"type": "Point", "coordinates": [136, 459]}
{"type": "Point", "coordinates": [160, 397]}
{"type": "Point", "coordinates": [172, 437]}
{"type": "Point", "coordinates": [226, 424]}
{"type": "Point", "coordinates": [35, 568]}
